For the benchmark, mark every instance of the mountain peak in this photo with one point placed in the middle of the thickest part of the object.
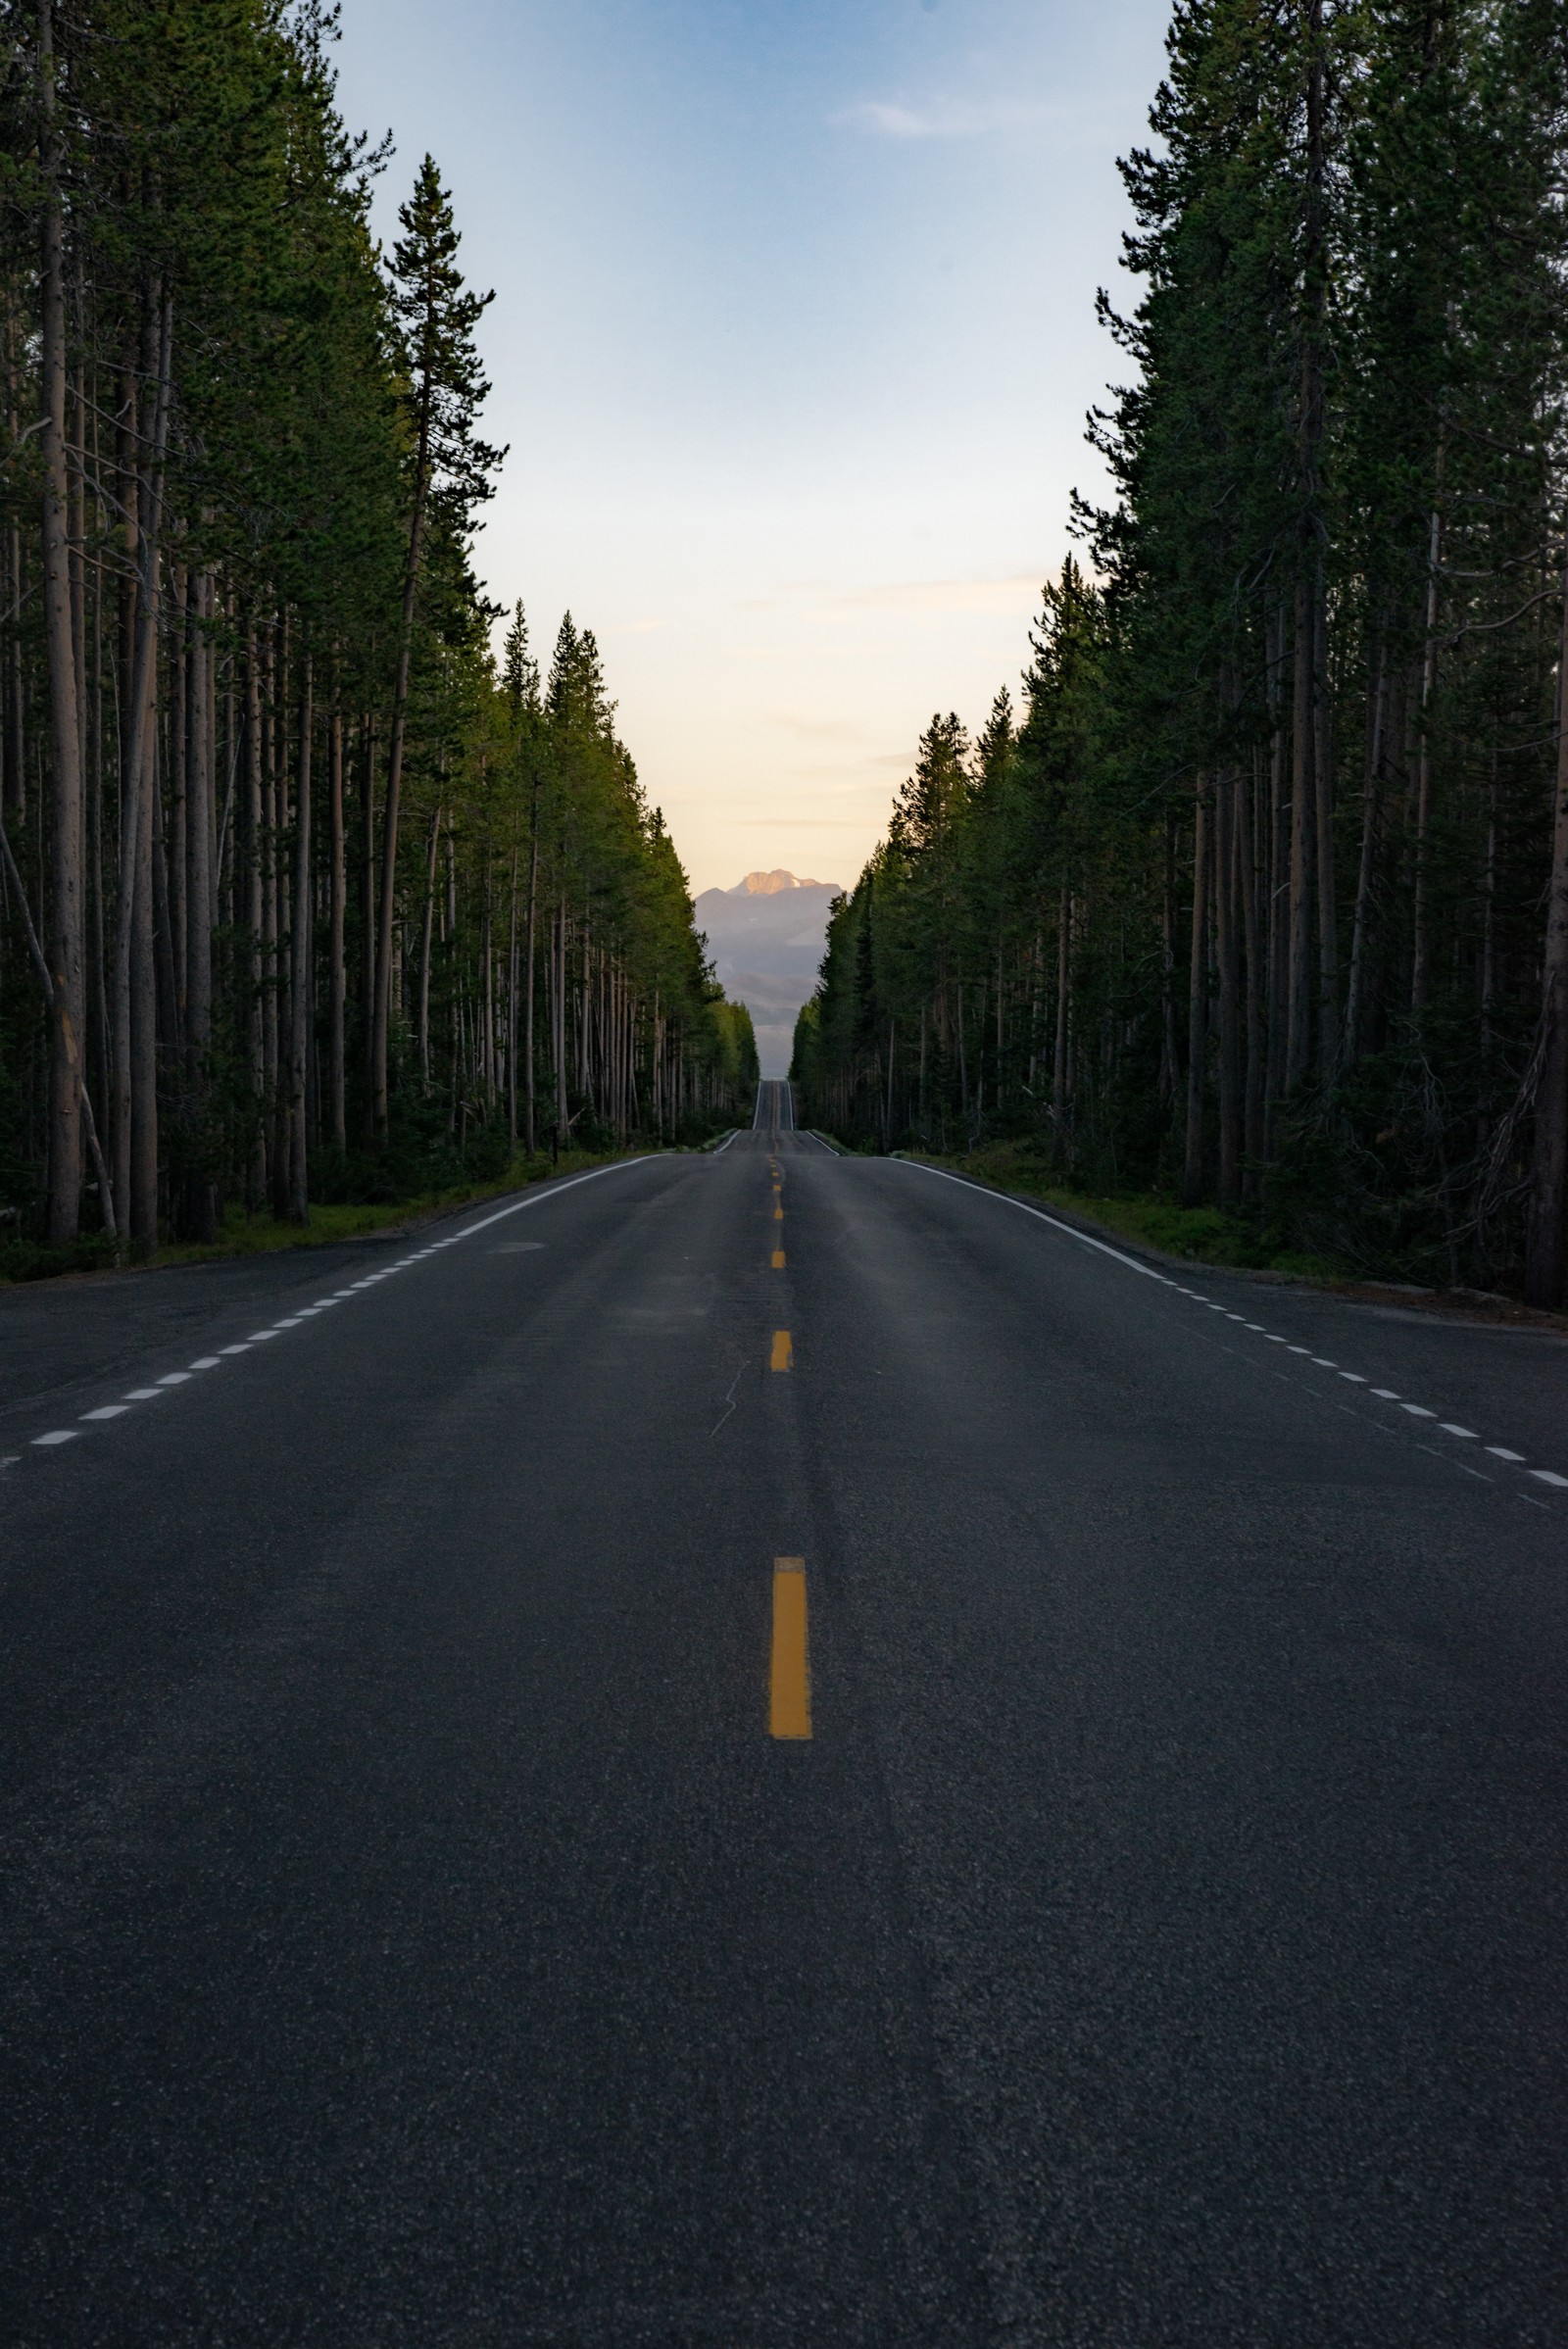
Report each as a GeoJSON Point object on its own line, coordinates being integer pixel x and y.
{"type": "Point", "coordinates": [767, 885]}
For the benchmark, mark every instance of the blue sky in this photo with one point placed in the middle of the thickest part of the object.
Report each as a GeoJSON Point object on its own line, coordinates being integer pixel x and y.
{"type": "Point", "coordinates": [792, 341]}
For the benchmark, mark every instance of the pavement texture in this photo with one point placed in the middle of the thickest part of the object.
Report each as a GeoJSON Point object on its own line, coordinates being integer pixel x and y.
{"type": "Point", "coordinates": [411, 1932]}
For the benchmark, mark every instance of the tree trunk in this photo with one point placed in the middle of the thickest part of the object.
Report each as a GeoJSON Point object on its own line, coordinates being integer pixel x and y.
{"type": "Point", "coordinates": [1197, 1004]}
{"type": "Point", "coordinates": [533, 911]}
{"type": "Point", "coordinates": [143, 1213]}
{"type": "Point", "coordinates": [299, 1026]}
{"type": "Point", "coordinates": [274, 818]}
{"type": "Point", "coordinates": [1361, 919]}
{"type": "Point", "coordinates": [382, 1008]}
{"type": "Point", "coordinates": [1276, 864]}
{"type": "Point", "coordinates": [1545, 1242]}
{"type": "Point", "coordinates": [367, 914]}
{"type": "Point", "coordinates": [559, 1012]}
{"type": "Point", "coordinates": [1252, 1112]}
{"type": "Point", "coordinates": [200, 1202]}
{"type": "Point", "coordinates": [1328, 925]}
{"type": "Point", "coordinates": [67, 922]}
{"type": "Point", "coordinates": [1169, 1056]}
{"type": "Point", "coordinates": [255, 851]}
{"type": "Point", "coordinates": [1421, 921]}
{"type": "Point", "coordinates": [1227, 790]}
{"type": "Point", "coordinates": [336, 981]}
{"type": "Point", "coordinates": [425, 943]}
{"type": "Point", "coordinates": [135, 1100]}
{"type": "Point", "coordinates": [1307, 784]}
{"type": "Point", "coordinates": [512, 1007]}
{"type": "Point", "coordinates": [1058, 1057]}
{"type": "Point", "coordinates": [1304, 830]}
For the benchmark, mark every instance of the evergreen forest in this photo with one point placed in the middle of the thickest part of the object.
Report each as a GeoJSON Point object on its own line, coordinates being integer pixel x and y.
{"type": "Point", "coordinates": [305, 896]}
{"type": "Point", "coordinates": [1257, 899]}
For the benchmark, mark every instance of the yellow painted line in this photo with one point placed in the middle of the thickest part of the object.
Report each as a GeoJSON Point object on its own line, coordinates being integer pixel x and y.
{"type": "Point", "coordinates": [778, 1260]}
{"type": "Point", "coordinates": [789, 1680]}
{"type": "Point", "coordinates": [782, 1357]}
{"type": "Point", "coordinates": [778, 1215]}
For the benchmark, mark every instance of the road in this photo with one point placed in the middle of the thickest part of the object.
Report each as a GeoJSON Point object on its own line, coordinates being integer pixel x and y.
{"type": "Point", "coordinates": [1106, 1886]}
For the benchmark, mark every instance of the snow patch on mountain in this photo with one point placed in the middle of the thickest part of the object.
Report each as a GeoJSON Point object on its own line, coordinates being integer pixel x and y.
{"type": "Point", "coordinates": [765, 938]}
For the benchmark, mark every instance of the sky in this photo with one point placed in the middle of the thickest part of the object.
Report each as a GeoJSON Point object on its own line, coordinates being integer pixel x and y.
{"type": "Point", "coordinates": [792, 342]}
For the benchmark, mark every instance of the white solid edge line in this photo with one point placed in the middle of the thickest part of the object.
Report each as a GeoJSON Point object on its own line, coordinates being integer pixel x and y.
{"type": "Point", "coordinates": [1546, 1475]}
{"type": "Point", "coordinates": [556, 1189]}
{"type": "Point", "coordinates": [1007, 1199]}
{"type": "Point", "coordinates": [178, 1378]}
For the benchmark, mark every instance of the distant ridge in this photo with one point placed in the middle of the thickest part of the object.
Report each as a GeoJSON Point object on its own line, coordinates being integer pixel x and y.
{"type": "Point", "coordinates": [767, 885]}
{"type": "Point", "coordinates": [765, 937]}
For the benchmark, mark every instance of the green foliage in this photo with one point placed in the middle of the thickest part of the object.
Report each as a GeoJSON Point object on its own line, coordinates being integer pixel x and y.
{"type": "Point", "coordinates": [1309, 690]}
{"type": "Point", "coordinates": [299, 553]}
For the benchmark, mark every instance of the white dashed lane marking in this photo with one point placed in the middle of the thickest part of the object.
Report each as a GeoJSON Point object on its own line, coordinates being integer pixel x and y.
{"type": "Point", "coordinates": [1387, 1395]}
{"type": "Point", "coordinates": [293, 1321]}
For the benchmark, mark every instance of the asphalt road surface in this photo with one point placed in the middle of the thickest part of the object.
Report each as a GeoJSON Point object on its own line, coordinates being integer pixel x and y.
{"type": "Point", "coordinates": [568, 1781]}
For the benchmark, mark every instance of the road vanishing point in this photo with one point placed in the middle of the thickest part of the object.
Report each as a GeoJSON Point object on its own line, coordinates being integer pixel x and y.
{"type": "Point", "coordinates": [766, 1748]}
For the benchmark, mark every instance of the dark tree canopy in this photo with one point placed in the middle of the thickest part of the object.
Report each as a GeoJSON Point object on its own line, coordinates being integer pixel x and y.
{"type": "Point", "coordinates": [300, 899]}
{"type": "Point", "coordinates": [1263, 901]}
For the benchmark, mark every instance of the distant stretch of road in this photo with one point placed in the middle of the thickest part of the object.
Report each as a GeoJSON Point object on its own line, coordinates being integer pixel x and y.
{"type": "Point", "coordinates": [775, 1112]}
{"type": "Point", "coordinates": [771, 1748]}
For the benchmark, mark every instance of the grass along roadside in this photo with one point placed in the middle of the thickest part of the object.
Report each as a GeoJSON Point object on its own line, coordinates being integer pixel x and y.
{"type": "Point", "coordinates": [1195, 1234]}
{"type": "Point", "coordinates": [261, 1234]}
{"type": "Point", "coordinates": [1229, 1243]}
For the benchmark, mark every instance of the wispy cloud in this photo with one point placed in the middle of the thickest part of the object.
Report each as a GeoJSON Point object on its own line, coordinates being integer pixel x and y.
{"type": "Point", "coordinates": [1018, 593]}
{"type": "Point", "coordinates": [843, 731]}
{"type": "Point", "coordinates": [943, 118]}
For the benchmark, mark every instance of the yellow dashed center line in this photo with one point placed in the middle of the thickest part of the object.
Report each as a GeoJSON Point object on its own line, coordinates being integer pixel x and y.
{"type": "Point", "coordinates": [789, 1706]}
{"type": "Point", "coordinates": [778, 1260]}
{"type": "Point", "coordinates": [782, 1357]}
